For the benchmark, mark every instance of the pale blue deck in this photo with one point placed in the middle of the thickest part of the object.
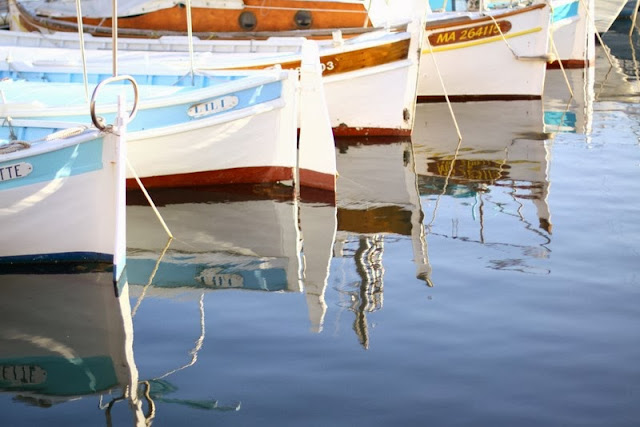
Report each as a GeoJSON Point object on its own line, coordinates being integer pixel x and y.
{"type": "Point", "coordinates": [61, 94]}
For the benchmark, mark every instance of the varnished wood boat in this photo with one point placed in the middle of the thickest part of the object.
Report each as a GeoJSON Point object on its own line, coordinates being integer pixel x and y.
{"type": "Point", "coordinates": [210, 19]}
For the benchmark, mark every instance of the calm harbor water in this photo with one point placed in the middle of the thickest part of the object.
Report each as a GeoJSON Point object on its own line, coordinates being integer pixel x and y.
{"type": "Point", "coordinates": [492, 280]}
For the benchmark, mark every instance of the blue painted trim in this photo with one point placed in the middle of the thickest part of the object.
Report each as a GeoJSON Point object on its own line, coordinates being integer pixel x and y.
{"type": "Point", "coordinates": [561, 119]}
{"type": "Point", "coordinates": [69, 161]}
{"type": "Point", "coordinates": [146, 118]}
{"type": "Point", "coordinates": [178, 275]}
{"type": "Point", "coordinates": [58, 376]}
{"type": "Point", "coordinates": [565, 11]}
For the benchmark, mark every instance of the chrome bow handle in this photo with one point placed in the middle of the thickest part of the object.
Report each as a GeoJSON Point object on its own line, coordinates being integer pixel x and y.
{"type": "Point", "coordinates": [99, 122]}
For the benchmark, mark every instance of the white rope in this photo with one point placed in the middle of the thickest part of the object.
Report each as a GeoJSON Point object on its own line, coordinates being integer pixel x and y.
{"type": "Point", "coordinates": [444, 89]}
{"type": "Point", "coordinates": [151, 277]}
{"type": "Point", "coordinates": [593, 23]}
{"type": "Point", "coordinates": [146, 194]}
{"type": "Point", "coordinates": [114, 36]}
{"type": "Point", "coordinates": [82, 51]}
{"type": "Point", "coordinates": [559, 61]}
{"type": "Point", "coordinates": [190, 38]}
{"type": "Point", "coordinates": [502, 34]}
{"type": "Point", "coordinates": [65, 133]}
{"type": "Point", "coordinates": [198, 344]}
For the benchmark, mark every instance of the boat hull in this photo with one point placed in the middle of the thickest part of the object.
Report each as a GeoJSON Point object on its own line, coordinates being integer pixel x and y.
{"type": "Point", "coordinates": [66, 211]}
{"type": "Point", "coordinates": [573, 36]}
{"type": "Point", "coordinates": [247, 18]}
{"type": "Point", "coordinates": [474, 62]}
{"type": "Point", "coordinates": [244, 132]}
{"type": "Point", "coordinates": [353, 71]}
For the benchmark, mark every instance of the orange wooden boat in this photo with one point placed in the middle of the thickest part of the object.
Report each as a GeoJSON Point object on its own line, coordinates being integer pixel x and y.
{"type": "Point", "coordinates": [209, 18]}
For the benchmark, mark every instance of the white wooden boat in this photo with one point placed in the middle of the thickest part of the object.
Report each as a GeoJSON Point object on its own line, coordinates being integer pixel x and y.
{"type": "Point", "coordinates": [212, 18]}
{"type": "Point", "coordinates": [351, 67]}
{"type": "Point", "coordinates": [572, 37]}
{"type": "Point", "coordinates": [62, 200]}
{"type": "Point", "coordinates": [498, 54]}
{"type": "Point", "coordinates": [573, 34]}
{"type": "Point", "coordinates": [228, 117]}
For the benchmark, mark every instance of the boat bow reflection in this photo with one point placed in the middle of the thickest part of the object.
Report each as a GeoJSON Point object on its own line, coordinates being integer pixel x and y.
{"type": "Point", "coordinates": [378, 199]}
{"type": "Point", "coordinates": [500, 168]}
{"type": "Point", "coordinates": [64, 337]}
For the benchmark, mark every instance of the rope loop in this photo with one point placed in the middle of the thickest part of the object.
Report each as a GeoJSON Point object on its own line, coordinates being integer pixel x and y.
{"type": "Point", "coordinates": [65, 133]}
{"type": "Point", "coordinates": [14, 146]}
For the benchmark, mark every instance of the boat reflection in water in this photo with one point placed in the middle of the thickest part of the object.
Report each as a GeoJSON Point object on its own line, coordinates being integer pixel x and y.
{"type": "Point", "coordinates": [377, 199]}
{"type": "Point", "coordinates": [67, 336]}
{"type": "Point", "coordinates": [255, 240]}
{"type": "Point", "coordinates": [490, 187]}
{"type": "Point", "coordinates": [245, 240]}
{"type": "Point", "coordinates": [568, 101]}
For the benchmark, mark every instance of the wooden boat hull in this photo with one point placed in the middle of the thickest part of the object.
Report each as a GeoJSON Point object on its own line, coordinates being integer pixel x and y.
{"type": "Point", "coordinates": [471, 57]}
{"type": "Point", "coordinates": [62, 202]}
{"type": "Point", "coordinates": [248, 20]}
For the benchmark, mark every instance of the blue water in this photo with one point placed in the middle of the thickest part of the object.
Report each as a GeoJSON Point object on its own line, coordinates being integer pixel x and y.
{"type": "Point", "coordinates": [489, 281]}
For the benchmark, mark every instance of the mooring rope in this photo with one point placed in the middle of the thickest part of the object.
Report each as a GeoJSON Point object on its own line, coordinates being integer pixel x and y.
{"type": "Point", "coordinates": [190, 38]}
{"type": "Point", "coordinates": [501, 34]}
{"type": "Point", "coordinates": [592, 21]}
{"type": "Point", "coordinates": [82, 50]}
{"type": "Point", "coordinates": [559, 61]}
{"type": "Point", "coordinates": [146, 194]}
{"type": "Point", "coordinates": [151, 277]}
{"type": "Point", "coordinates": [444, 89]}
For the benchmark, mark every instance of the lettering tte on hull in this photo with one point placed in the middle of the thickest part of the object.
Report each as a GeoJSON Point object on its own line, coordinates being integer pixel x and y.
{"type": "Point", "coordinates": [17, 170]}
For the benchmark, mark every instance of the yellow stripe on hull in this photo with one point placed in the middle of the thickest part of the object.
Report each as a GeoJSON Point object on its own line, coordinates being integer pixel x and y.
{"type": "Point", "coordinates": [481, 41]}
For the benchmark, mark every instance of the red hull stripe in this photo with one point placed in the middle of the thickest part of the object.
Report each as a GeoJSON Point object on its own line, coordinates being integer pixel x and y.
{"type": "Point", "coordinates": [352, 131]}
{"type": "Point", "coordinates": [321, 181]}
{"type": "Point", "coordinates": [569, 63]}
{"type": "Point", "coordinates": [252, 175]}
